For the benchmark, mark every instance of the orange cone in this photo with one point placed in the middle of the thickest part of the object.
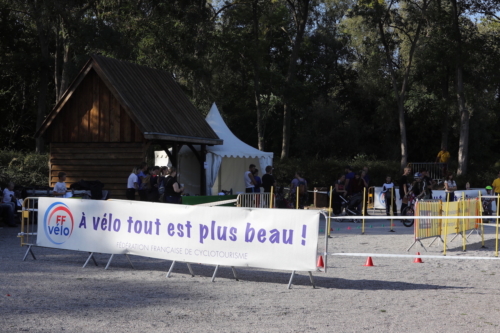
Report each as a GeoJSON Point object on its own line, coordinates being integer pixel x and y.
{"type": "Point", "coordinates": [418, 260]}
{"type": "Point", "coordinates": [320, 263]}
{"type": "Point", "coordinates": [369, 262]}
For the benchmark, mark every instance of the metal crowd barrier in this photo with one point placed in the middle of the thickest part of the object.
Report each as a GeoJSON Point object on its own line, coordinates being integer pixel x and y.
{"type": "Point", "coordinates": [255, 200]}
{"type": "Point", "coordinates": [29, 220]}
{"type": "Point", "coordinates": [435, 169]}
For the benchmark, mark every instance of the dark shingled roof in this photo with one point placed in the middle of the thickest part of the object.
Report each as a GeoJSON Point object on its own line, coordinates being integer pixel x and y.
{"type": "Point", "coordinates": [152, 99]}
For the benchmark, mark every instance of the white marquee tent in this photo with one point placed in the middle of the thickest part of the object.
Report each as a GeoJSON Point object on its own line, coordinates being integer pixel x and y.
{"type": "Point", "coordinates": [225, 164]}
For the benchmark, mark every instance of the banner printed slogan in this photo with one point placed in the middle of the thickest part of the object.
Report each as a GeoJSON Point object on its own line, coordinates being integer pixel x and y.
{"type": "Point", "coordinates": [265, 238]}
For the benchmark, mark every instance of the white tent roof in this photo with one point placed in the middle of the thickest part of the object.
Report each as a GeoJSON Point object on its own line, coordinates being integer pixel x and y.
{"type": "Point", "coordinates": [232, 146]}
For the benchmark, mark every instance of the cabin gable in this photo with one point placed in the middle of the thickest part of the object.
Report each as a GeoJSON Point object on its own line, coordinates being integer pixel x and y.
{"type": "Point", "coordinates": [93, 114]}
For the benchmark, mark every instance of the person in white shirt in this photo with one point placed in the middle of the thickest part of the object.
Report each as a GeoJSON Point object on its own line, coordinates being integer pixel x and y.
{"type": "Point", "coordinates": [132, 184]}
{"type": "Point", "coordinates": [60, 190]}
{"type": "Point", "coordinates": [389, 195]}
{"type": "Point", "coordinates": [450, 186]}
{"type": "Point", "coordinates": [249, 180]}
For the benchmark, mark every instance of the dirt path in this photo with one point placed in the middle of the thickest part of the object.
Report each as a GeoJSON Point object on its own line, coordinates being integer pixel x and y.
{"type": "Point", "coordinates": [54, 293]}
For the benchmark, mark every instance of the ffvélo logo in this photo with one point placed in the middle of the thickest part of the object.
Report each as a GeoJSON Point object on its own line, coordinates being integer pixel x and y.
{"type": "Point", "coordinates": [58, 223]}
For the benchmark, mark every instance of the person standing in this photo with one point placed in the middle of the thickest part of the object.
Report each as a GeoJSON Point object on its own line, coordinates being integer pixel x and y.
{"type": "Point", "coordinates": [173, 189]}
{"type": "Point", "coordinates": [442, 157]}
{"type": "Point", "coordinates": [427, 183]}
{"type": "Point", "coordinates": [338, 191]}
{"type": "Point", "coordinates": [132, 185]}
{"type": "Point", "coordinates": [258, 181]}
{"type": "Point", "coordinates": [161, 183]}
{"type": "Point", "coordinates": [7, 212]}
{"type": "Point", "coordinates": [349, 175]}
{"type": "Point", "coordinates": [404, 188]}
{"type": "Point", "coordinates": [143, 172]}
{"type": "Point", "coordinates": [389, 196]}
{"type": "Point", "coordinates": [249, 180]}
{"type": "Point", "coordinates": [450, 186]}
{"type": "Point", "coordinates": [366, 176]}
{"type": "Point", "coordinates": [496, 185]}
{"type": "Point", "coordinates": [268, 180]}
{"type": "Point", "coordinates": [298, 182]}
{"type": "Point", "coordinates": [366, 180]}
{"type": "Point", "coordinates": [487, 203]}
{"type": "Point", "coordinates": [153, 194]}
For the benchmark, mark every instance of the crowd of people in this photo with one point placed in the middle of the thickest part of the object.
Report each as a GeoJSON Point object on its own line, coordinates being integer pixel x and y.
{"type": "Point", "coordinates": [156, 184]}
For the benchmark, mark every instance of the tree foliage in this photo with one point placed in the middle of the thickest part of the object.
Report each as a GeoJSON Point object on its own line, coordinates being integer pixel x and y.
{"type": "Point", "coordinates": [302, 78]}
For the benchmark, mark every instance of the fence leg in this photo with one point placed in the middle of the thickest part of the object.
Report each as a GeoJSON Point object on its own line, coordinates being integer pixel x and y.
{"type": "Point", "coordinates": [130, 262]}
{"type": "Point", "coordinates": [433, 241]}
{"type": "Point", "coordinates": [109, 261]}
{"type": "Point", "coordinates": [171, 268]}
{"type": "Point", "coordinates": [88, 259]}
{"type": "Point", "coordinates": [312, 279]}
{"type": "Point", "coordinates": [215, 273]}
{"type": "Point", "coordinates": [29, 251]}
{"type": "Point", "coordinates": [408, 250]}
{"type": "Point", "coordinates": [234, 273]}
{"type": "Point", "coordinates": [291, 280]}
{"type": "Point", "coordinates": [420, 242]}
{"type": "Point", "coordinates": [472, 231]}
{"type": "Point", "coordinates": [190, 269]}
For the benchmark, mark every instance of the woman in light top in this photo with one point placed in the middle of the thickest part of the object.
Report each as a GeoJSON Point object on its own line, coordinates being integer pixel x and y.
{"type": "Point", "coordinates": [450, 186]}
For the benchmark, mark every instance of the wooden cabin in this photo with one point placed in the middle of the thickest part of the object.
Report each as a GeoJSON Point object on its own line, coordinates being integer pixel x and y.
{"type": "Point", "coordinates": [104, 123]}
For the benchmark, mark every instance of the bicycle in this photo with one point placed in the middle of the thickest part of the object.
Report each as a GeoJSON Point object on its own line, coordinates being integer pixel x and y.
{"type": "Point", "coordinates": [409, 210]}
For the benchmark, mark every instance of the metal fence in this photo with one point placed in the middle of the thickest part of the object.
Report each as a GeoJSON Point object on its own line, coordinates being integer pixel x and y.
{"type": "Point", "coordinates": [29, 220]}
{"type": "Point", "coordinates": [436, 170]}
{"type": "Point", "coordinates": [255, 200]}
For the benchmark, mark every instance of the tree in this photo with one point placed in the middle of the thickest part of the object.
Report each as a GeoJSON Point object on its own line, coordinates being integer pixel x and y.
{"type": "Point", "coordinates": [299, 10]}
{"type": "Point", "coordinates": [399, 25]}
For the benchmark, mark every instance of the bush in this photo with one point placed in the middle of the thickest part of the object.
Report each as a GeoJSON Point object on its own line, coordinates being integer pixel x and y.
{"type": "Point", "coordinates": [24, 169]}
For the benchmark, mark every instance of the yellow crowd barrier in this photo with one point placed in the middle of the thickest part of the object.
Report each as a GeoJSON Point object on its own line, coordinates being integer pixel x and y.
{"type": "Point", "coordinates": [438, 228]}
{"type": "Point", "coordinates": [426, 228]}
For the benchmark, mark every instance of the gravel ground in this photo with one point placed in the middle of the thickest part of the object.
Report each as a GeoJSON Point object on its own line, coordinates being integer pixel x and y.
{"type": "Point", "coordinates": [55, 294]}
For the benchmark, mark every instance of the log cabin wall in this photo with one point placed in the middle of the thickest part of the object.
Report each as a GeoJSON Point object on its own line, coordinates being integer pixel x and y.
{"type": "Point", "coordinates": [93, 138]}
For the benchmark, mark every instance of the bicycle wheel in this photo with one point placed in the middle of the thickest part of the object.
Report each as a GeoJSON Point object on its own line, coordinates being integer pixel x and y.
{"type": "Point", "coordinates": [408, 211]}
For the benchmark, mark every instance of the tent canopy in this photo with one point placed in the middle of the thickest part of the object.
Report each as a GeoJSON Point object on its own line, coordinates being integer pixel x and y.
{"type": "Point", "coordinates": [225, 164]}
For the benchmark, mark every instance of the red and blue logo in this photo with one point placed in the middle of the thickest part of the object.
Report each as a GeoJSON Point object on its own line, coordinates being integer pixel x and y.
{"type": "Point", "coordinates": [58, 223]}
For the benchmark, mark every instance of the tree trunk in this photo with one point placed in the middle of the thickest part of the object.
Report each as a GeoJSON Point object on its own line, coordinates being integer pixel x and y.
{"type": "Point", "coordinates": [402, 132]}
{"type": "Point", "coordinates": [300, 15]}
{"type": "Point", "coordinates": [57, 63]}
{"type": "Point", "coordinates": [445, 117]}
{"type": "Point", "coordinates": [256, 76]}
{"type": "Point", "coordinates": [65, 67]}
{"type": "Point", "coordinates": [44, 75]}
{"type": "Point", "coordinates": [400, 92]}
{"type": "Point", "coordinates": [463, 143]}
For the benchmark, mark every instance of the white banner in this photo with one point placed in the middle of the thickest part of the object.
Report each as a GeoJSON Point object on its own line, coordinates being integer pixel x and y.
{"type": "Point", "coordinates": [266, 238]}
{"type": "Point", "coordinates": [438, 195]}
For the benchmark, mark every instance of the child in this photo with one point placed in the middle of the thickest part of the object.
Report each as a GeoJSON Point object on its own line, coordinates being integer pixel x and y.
{"type": "Point", "coordinates": [60, 190]}
{"type": "Point", "coordinates": [487, 204]}
{"type": "Point", "coordinates": [389, 196]}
